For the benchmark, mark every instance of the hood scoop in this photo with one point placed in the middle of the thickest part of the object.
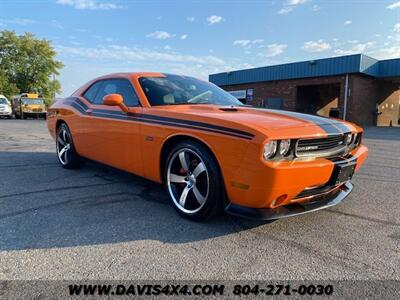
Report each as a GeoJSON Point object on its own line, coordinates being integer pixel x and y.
{"type": "Point", "coordinates": [228, 109]}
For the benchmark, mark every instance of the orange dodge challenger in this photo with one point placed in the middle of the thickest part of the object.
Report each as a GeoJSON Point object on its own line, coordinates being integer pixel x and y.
{"type": "Point", "coordinates": [211, 152]}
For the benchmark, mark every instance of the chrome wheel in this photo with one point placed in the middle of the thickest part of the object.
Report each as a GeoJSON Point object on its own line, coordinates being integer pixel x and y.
{"type": "Point", "coordinates": [63, 146]}
{"type": "Point", "coordinates": [187, 180]}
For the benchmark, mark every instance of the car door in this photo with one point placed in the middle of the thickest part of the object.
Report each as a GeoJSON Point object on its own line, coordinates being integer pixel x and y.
{"type": "Point", "coordinates": [112, 137]}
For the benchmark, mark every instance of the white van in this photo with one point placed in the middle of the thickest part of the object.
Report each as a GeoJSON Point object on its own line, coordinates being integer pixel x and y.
{"type": "Point", "coordinates": [5, 107]}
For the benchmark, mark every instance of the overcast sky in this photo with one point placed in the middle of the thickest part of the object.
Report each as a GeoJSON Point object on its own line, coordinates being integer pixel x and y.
{"type": "Point", "coordinates": [95, 37]}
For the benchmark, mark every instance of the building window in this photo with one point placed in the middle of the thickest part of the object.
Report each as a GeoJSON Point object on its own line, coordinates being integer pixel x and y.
{"type": "Point", "coordinates": [273, 103]}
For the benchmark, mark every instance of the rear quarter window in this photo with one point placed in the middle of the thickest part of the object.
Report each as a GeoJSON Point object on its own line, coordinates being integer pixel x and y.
{"type": "Point", "coordinates": [91, 92]}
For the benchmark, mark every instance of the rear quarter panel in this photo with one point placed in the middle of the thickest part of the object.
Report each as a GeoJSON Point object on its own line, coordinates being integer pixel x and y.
{"type": "Point", "coordinates": [59, 111]}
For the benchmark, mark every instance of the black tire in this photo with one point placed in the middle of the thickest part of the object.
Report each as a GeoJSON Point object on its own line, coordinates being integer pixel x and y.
{"type": "Point", "coordinates": [69, 159]}
{"type": "Point", "coordinates": [24, 116]}
{"type": "Point", "coordinates": [17, 116]}
{"type": "Point", "coordinates": [211, 203]}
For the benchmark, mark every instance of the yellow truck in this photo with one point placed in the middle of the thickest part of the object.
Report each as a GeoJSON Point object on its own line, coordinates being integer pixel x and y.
{"type": "Point", "coordinates": [29, 105]}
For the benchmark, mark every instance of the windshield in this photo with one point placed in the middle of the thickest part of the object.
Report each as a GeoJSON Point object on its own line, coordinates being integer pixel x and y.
{"type": "Point", "coordinates": [28, 101]}
{"type": "Point", "coordinates": [3, 101]}
{"type": "Point", "coordinates": [176, 90]}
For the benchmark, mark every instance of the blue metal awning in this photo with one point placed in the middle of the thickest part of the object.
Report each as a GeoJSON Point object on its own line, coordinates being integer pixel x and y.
{"type": "Point", "coordinates": [357, 63]}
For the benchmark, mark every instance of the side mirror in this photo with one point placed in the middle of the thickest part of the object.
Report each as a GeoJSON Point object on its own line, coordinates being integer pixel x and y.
{"type": "Point", "coordinates": [115, 100]}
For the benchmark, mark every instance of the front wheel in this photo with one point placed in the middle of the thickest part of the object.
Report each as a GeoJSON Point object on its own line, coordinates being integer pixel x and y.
{"type": "Point", "coordinates": [193, 181]}
{"type": "Point", "coordinates": [66, 153]}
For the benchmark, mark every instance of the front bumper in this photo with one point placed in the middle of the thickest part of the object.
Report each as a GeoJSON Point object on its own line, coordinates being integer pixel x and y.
{"type": "Point", "coordinates": [5, 113]}
{"type": "Point", "coordinates": [318, 202]}
{"type": "Point", "coordinates": [263, 186]}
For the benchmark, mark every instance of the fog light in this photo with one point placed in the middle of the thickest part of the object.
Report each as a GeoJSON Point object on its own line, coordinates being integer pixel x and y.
{"type": "Point", "coordinates": [278, 201]}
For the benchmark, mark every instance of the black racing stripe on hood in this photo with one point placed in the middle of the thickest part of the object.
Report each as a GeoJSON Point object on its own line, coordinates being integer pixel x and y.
{"type": "Point", "coordinates": [330, 126]}
{"type": "Point", "coordinates": [330, 129]}
{"type": "Point", "coordinates": [324, 120]}
{"type": "Point", "coordinates": [342, 126]}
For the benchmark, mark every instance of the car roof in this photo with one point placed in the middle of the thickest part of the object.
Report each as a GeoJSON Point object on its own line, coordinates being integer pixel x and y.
{"type": "Point", "coordinates": [128, 75]}
{"type": "Point", "coordinates": [131, 74]}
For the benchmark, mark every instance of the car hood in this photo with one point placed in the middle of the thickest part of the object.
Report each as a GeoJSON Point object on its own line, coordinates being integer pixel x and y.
{"type": "Point", "coordinates": [267, 121]}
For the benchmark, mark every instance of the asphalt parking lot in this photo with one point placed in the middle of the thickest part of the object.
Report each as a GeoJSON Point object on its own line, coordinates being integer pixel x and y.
{"type": "Point", "coordinates": [100, 223]}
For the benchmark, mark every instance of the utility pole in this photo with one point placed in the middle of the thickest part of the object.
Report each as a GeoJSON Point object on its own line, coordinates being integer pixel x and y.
{"type": "Point", "coordinates": [346, 95]}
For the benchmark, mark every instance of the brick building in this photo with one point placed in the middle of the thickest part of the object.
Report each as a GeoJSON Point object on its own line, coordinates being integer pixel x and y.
{"type": "Point", "coordinates": [357, 88]}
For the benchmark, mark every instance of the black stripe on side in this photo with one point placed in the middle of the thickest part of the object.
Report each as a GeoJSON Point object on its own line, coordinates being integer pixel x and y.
{"type": "Point", "coordinates": [79, 108]}
{"type": "Point", "coordinates": [141, 120]}
{"type": "Point", "coordinates": [199, 124]}
{"type": "Point", "coordinates": [83, 107]}
{"type": "Point", "coordinates": [168, 121]}
{"type": "Point", "coordinates": [81, 103]}
{"type": "Point", "coordinates": [179, 121]}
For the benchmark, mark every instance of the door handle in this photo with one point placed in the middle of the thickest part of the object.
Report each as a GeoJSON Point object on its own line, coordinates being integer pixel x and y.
{"type": "Point", "coordinates": [89, 111]}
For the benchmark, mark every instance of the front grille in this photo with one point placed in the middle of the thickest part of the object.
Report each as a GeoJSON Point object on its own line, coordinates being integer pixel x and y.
{"type": "Point", "coordinates": [320, 147]}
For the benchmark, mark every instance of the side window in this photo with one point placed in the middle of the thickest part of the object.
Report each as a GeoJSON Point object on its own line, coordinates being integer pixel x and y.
{"type": "Point", "coordinates": [91, 92]}
{"type": "Point", "coordinates": [118, 86]}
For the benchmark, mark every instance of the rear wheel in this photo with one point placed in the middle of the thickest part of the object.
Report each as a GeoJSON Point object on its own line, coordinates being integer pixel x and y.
{"type": "Point", "coordinates": [67, 156]}
{"type": "Point", "coordinates": [193, 181]}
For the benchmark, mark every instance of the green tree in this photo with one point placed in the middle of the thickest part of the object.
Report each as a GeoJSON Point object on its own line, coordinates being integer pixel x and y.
{"type": "Point", "coordinates": [7, 88]}
{"type": "Point", "coordinates": [28, 64]}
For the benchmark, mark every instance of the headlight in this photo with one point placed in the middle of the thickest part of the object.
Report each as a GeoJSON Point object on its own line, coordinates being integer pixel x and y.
{"type": "Point", "coordinates": [349, 138]}
{"type": "Point", "coordinates": [270, 149]}
{"type": "Point", "coordinates": [284, 147]}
